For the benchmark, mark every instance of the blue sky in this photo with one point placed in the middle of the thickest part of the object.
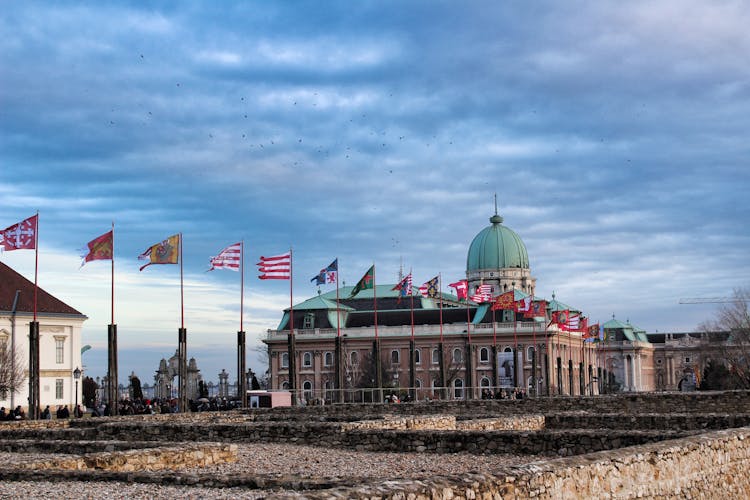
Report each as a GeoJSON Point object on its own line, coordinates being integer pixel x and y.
{"type": "Point", "coordinates": [614, 134]}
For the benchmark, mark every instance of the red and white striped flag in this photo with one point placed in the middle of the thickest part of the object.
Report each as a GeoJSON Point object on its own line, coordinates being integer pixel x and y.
{"type": "Point", "coordinates": [229, 258]}
{"type": "Point", "coordinates": [483, 294]}
{"type": "Point", "coordinates": [278, 267]}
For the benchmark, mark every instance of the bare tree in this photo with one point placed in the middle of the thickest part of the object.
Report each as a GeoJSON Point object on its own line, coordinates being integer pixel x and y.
{"type": "Point", "coordinates": [733, 318]}
{"type": "Point", "coordinates": [12, 373]}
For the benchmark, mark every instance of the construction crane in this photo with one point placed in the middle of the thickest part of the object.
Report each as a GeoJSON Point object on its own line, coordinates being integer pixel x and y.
{"type": "Point", "coordinates": [708, 300]}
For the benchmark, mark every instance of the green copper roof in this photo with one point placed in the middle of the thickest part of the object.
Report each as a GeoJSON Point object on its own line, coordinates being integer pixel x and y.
{"type": "Point", "coordinates": [496, 247]}
{"type": "Point", "coordinates": [320, 303]}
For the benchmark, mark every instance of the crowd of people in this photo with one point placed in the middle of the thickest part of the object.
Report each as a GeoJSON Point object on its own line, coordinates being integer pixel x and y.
{"type": "Point", "coordinates": [504, 394]}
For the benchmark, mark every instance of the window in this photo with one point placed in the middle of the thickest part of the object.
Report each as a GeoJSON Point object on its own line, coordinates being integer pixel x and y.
{"type": "Point", "coordinates": [285, 360]}
{"type": "Point", "coordinates": [418, 383]}
{"type": "Point", "coordinates": [417, 357]}
{"type": "Point", "coordinates": [328, 359]}
{"type": "Point", "coordinates": [485, 382]}
{"type": "Point", "coordinates": [307, 359]}
{"type": "Point", "coordinates": [59, 388]}
{"type": "Point", "coordinates": [309, 321]}
{"type": "Point", "coordinates": [354, 358]}
{"type": "Point", "coordinates": [530, 352]}
{"type": "Point", "coordinates": [59, 350]}
{"type": "Point", "coordinates": [458, 388]}
{"type": "Point", "coordinates": [394, 357]}
{"type": "Point", "coordinates": [285, 385]}
{"type": "Point", "coordinates": [687, 360]}
{"type": "Point", "coordinates": [307, 391]}
{"type": "Point", "coordinates": [458, 355]}
{"type": "Point", "coordinates": [484, 355]}
{"type": "Point", "coordinates": [435, 356]}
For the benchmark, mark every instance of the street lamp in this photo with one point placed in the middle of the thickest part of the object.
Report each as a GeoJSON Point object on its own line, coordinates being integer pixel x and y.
{"type": "Point", "coordinates": [76, 375]}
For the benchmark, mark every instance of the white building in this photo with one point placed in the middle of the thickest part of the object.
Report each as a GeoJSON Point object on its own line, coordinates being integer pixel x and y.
{"type": "Point", "coordinates": [59, 341]}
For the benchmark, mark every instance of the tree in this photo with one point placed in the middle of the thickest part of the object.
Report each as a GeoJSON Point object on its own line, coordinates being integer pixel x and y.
{"type": "Point", "coordinates": [734, 319]}
{"type": "Point", "coordinates": [89, 388]}
{"type": "Point", "coordinates": [12, 373]}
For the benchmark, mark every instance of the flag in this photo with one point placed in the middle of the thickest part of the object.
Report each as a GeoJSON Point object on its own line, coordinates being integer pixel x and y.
{"type": "Point", "coordinates": [538, 310]}
{"type": "Point", "coordinates": [404, 286]}
{"type": "Point", "coordinates": [229, 258]}
{"type": "Point", "coordinates": [166, 252]}
{"type": "Point", "coordinates": [560, 317]}
{"type": "Point", "coordinates": [505, 301]}
{"type": "Point", "coordinates": [462, 288]}
{"type": "Point", "coordinates": [483, 294]}
{"type": "Point", "coordinates": [327, 274]}
{"type": "Point", "coordinates": [277, 267]}
{"type": "Point", "coordinates": [365, 283]}
{"type": "Point", "coordinates": [523, 305]}
{"type": "Point", "coordinates": [430, 288]}
{"type": "Point", "coordinates": [592, 333]}
{"type": "Point", "coordinates": [21, 236]}
{"type": "Point", "coordinates": [573, 323]}
{"type": "Point", "coordinates": [99, 248]}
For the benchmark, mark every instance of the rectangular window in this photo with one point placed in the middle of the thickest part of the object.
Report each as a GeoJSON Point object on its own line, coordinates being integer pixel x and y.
{"type": "Point", "coordinates": [59, 351]}
{"type": "Point", "coordinates": [59, 388]}
{"type": "Point", "coordinates": [309, 321]}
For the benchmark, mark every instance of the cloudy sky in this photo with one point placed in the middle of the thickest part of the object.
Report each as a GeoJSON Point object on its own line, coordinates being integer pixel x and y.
{"type": "Point", "coordinates": [615, 135]}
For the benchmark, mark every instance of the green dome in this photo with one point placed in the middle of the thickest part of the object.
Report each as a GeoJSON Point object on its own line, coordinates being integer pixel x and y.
{"type": "Point", "coordinates": [496, 247]}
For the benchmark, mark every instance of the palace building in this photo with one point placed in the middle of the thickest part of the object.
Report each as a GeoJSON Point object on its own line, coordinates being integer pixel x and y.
{"type": "Point", "coordinates": [59, 343]}
{"type": "Point", "coordinates": [380, 342]}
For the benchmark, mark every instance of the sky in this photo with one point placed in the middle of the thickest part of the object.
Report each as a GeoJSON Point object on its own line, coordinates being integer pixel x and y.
{"type": "Point", "coordinates": [615, 135]}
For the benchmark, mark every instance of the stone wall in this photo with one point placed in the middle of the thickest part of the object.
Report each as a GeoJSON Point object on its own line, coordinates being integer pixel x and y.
{"type": "Point", "coordinates": [712, 465]}
{"type": "Point", "coordinates": [150, 459]}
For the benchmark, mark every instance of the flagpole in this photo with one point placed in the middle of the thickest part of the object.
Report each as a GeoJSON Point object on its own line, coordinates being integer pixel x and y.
{"type": "Point", "coordinates": [112, 281]}
{"type": "Point", "coordinates": [182, 294]}
{"type": "Point", "coordinates": [36, 263]}
{"type": "Point", "coordinates": [440, 288]}
{"type": "Point", "coordinates": [242, 283]}
{"type": "Point", "coordinates": [375, 299]}
{"type": "Point", "coordinates": [338, 313]}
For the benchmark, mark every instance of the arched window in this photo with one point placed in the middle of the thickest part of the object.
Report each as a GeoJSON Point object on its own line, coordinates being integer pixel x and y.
{"type": "Point", "coordinates": [328, 359]}
{"type": "Point", "coordinates": [285, 385]}
{"type": "Point", "coordinates": [484, 355]}
{"type": "Point", "coordinates": [307, 359]}
{"type": "Point", "coordinates": [485, 382]}
{"type": "Point", "coordinates": [458, 355]}
{"type": "Point", "coordinates": [530, 352]}
{"type": "Point", "coordinates": [458, 388]}
{"type": "Point", "coordinates": [394, 357]}
{"type": "Point", "coordinates": [353, 357]}
{"type": "Point", "coordinates": [418, 383]}
{"type": "Point", "coordinates": [435, 356]}
{"type": "Point", "coordinates": [307, 390]}
{"type": "Point", "coordinates": [285, 360]}
{"type": "Point", "coordinates": [417, 357]}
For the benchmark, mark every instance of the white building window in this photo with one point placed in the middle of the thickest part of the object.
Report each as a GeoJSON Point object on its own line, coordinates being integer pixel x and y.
{"type": "Point", "coordinates": [395, 357]}
{"type": "Point", "coordinates": [284, 360]}
{"type": "Point", "coordinates": [309, 321]}
{"type": "Point", "coordinates": [435, 356]}
{"type": "Point", "coordinates": [484, 355]}
{"type": "Point", "coordinates": [354, 358]}
{"type": "Point", "coordinates": [307, 359]}
{"type": "Point", "coordinates": [328, 359]}
{"type": "Point", "coordinates": [59, 388]}
{"type": "Point", "coordinates": [458, 388]}
{"type": "Point", "coordinates": [59, 350]}
{"type": "Point", "coordinates": [458, 355]}
{"type": "Point", "coordinates": [417, 357]}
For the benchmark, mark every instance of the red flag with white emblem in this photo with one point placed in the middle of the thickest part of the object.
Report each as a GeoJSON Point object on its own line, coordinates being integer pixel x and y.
{"type": "Point", "coordinates": [21, 236]}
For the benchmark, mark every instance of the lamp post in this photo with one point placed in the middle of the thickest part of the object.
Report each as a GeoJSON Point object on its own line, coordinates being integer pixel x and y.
{"type": "Point", "coordinates": [76, 375]}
